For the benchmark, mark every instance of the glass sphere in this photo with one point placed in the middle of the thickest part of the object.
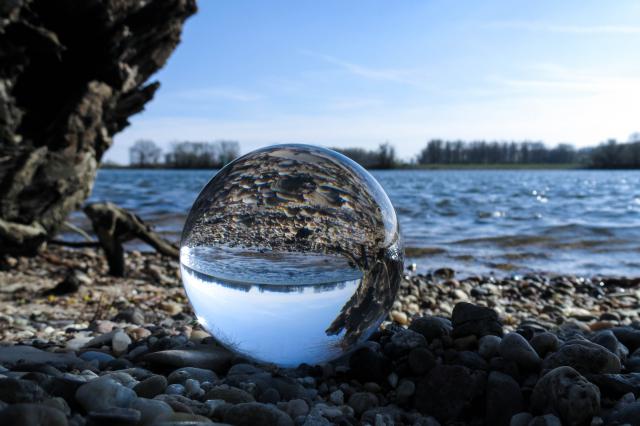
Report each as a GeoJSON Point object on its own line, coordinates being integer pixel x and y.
{"type": "Point", "coordinates": [291, 254]}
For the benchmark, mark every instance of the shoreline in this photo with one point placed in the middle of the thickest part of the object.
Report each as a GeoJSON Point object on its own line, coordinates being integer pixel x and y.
{"type": "Point", "coordinates": [461, 337]}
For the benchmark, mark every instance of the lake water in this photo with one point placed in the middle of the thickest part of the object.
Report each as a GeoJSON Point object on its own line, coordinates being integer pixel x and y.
{"type": "Point", "coordinates": [479, 221]}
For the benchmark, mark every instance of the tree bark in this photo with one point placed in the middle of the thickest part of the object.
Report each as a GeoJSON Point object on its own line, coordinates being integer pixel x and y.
{"type": "Point", "coordinates": [114, 226]}
{"type": "Point", "coordinates": [71, 74]}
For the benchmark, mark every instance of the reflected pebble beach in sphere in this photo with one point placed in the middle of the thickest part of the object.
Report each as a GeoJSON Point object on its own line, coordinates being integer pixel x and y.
{"type": "Point", "coordinates": [291, 254]}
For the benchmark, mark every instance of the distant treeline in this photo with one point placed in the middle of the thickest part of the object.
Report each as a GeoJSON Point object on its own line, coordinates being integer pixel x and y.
{"type": "Point", "coordinates": [183, 155]}
{"type": "Point", "coordinates": [611, 154]}
{"type": "Point", "coordinates": [481, 152]}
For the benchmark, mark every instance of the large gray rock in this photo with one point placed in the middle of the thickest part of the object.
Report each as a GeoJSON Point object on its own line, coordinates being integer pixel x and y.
{"type": "Point", "coordinates": [431, 327]}
{"type": "Point", "coordinates": [103, 393]}
{"type": "Point", "coordinates": [151, 410]}
{"type": "Point", "coordinates": [256, 414]}
{"type": "Point", "coordinates": [362, 401]}
{"type": "Point", "coordinates": [12, 355]}
{"type": "Point", "coordinates": [469, 319]}
{"type": "Point", "coordinates": [566, 394]}
{"type": "Point", "coordinates": [584, 356]}
{"type": "Point", "coordinates": [503, 399]}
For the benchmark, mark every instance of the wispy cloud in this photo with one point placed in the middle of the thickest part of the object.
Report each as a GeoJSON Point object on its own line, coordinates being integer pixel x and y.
{"type": "Point", "coordinates": [566, 29]}
{"type": "Point", "coordinates": [209, 93]}
{"type": "Point", "coordinates": [407, 76]}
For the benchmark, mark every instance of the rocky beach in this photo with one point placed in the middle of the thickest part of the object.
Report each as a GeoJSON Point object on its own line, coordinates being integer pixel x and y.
{"type": "Point", "coordinates": [80, 347]}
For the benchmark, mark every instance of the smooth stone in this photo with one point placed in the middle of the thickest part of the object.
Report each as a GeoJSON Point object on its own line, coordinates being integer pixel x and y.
{"type": "Point", "coordinates": [32, 415]}
{"type": "Point", "coordinates": [584, 356]}
{"type": "Point", "coordinates": [115, 416]}
{"type": "Point", "coordinates": [120, 342]}
{"type": "Point", "coordinates": [13, 391]}
{"type": "Point", "coordinates": [184, 419]}
{"type": "Point", "coordinates": [151, 410]}
{"type": "Point", "coordinates": [546, 420]}
{"type": "Point", "coordinates": [337, 397]}
{"type": "Point", "coordinates": [255, 413]}
{"type": "Point", "coordinates": [608, 340]}
{"type": "Point", "coordinates": [297, 407]}
{"type": "Point", "coordinates": [545, 342]}
{"type": "Point", "coordinates": [488, 346]}
{"type": "Point", "coordinates": [181, 403]}
{"type": "Point", "coordinates": [101, 357]}
{"type": "Point", "coordinates": [200, 356]}
{"type": "Point", "coordinates": [200, 374]}
{"type": "Point", "coordinates": [104, 339]}
{"type": "Point", "coordinates": [192, 388]}
{"type": "Point", "coordinates": [316, 420]}
{"type": "Point", "coordinates": [514, 347]}
{"type": "Point", "coordinates": [447, 391]}
{"type": "Point", "coordinates": [12, 355]}
{"type": "Point", "coordinates": [630, 337]}
{"type": "Point", "coordinates": [151, 386]}
{"type": "Point", "coordinates": [521, 419]}
{"type": "Point", "coordinates": [131, 316]}
{"type": "Point", "coordinates": [269, 396]}
{"type": "Point", "coordinates": [229, 394]}
{"type": "Point", "coordinates": [405, 340]}
{"type": "Point", "coordinates": [405, 390]}
{"type": "Point", "coordinates": [362, 401]}
{"type": "Point", "coordinates": [175, 389]}
{"type": "Point", "coordinates": [368, 365]}
{"type": "Point", "coordinates": [567, 394]}
{"type": "Point", "coordinates": [625, 414]}
{"type": "Point", "coordinates": [77, 343]}
{"type": "Point", "coordinates": [421, 360]}
{"type": "Point", "coordinates": [288, 388]}
{"type": "Point", "coordinates": [503, 399]}
{"type": "Point", "coordinates": [104, 393]}
{"type": "Point", "coordinates": [431, 327]}
{"type": "Point", "coordinates": [616, 385]}
{"type": "Point", "coordinates": [468, 319]}
{"type": "Point", "coordinates": [59, 404]}
{"type": "Point", "coordinates": [468, 359]}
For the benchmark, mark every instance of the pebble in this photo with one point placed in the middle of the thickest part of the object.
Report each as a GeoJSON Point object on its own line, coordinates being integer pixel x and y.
{"type": "Point", "coordinates": [13, 391]}
{"type": "Point", "coordinates": [514, 347]}
{"type": "Point", "coordinates": [115, 416]}
{"type": "Point", "coordinates": [565, 392]}
{"type": "Point", "coordinates": [32, 415]}
{"type": "Point", "coordinates": [297, 407]}
{"type": "Point", "coordinates": [151, 386]}
{"type": "Point", "coordinates": [120, 342]}
{"type": "Point", "coordinates": [255, 413]}
{"type": "Point", "coordinates": [504, 399]}
{"type": "Point", "coordinates": [545, 343]}
{"type": "Point", "coordinates": [175, 389]}
{"type": "Point", "coordinates": [151, 410]}
{"type": "Point", "coordinates": [337, 397]}
{"type": "Point", "coordinates": [202, 356]}
{"type": "Point", "coordinates": [431, 327]}
{"type": "Point", "coordinates": [584, 356]}
{"type": "Point", "coordinates": [104, 393]}
{"type": "Point", "coordinates": [362, 401]}
{"type": "Point", "coordinates": [229, 394]}
{"type": "Point", "coordinates": [421, 360]}
{"type": "Point", "coordinates": [181, 375]}
{"type": "Point", "coordinates": [488, 346]}
{"type": "Point", "coordinates": [101, 357]}
{"type": "Point", "coordinates": [399, 317]}
{"type": "Point", "coordinates": [468, 319]}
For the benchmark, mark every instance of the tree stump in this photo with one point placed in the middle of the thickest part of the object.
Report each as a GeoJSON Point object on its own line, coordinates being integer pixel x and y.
{"type": "Point", "coordinates": [114, 226]}
{"type": "Point", "coordinates": [71, 74]}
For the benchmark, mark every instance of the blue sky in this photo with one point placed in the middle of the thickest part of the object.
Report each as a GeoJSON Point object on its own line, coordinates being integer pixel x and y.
{"type": "Point", "coordinates": [358, 73]}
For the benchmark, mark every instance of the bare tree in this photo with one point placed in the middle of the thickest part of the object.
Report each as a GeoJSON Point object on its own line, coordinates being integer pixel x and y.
{"type": "Point", "coordinates": [144, 153]}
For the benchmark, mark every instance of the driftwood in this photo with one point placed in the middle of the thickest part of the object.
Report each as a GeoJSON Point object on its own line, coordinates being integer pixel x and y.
{"type": "Point", "coordinates": [71, 74]}
{"type": "Point", "coordinates": [114, 226]}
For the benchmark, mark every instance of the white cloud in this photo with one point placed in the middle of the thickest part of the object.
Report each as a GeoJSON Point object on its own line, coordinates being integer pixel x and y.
{"type": "Point", "coordinates": [409, 76]}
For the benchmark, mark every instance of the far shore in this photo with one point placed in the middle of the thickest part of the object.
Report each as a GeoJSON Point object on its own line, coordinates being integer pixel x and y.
{"type": "Point", "coordinates": [474, 166]}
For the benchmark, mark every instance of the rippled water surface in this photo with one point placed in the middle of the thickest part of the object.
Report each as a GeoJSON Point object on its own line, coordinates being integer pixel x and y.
{"type": "Point", "coordinates": [574, 221]}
